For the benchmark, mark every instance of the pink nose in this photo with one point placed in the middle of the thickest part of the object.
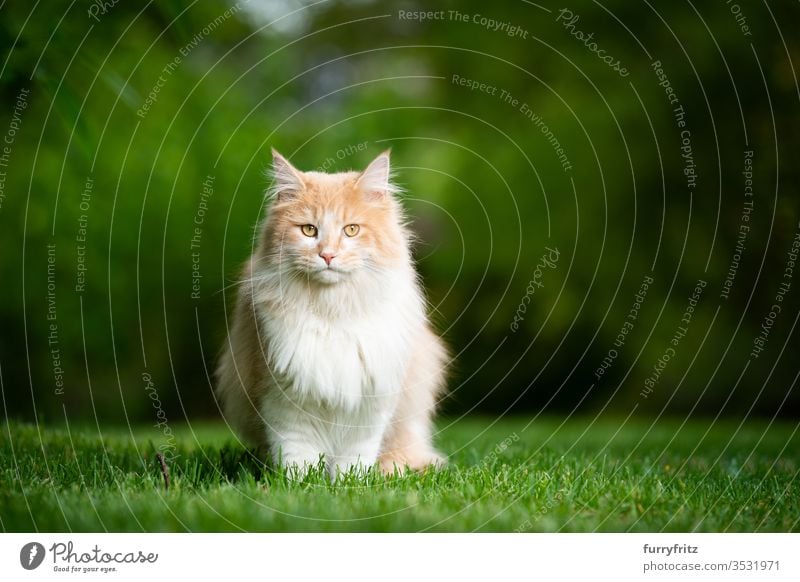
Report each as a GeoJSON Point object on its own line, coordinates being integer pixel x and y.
{"type": "Point", "coordinates": [328, 257]}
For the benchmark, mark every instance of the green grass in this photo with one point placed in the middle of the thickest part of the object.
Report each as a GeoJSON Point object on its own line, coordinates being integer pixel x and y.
{"type": "Point", "coordinates": [576, 476]}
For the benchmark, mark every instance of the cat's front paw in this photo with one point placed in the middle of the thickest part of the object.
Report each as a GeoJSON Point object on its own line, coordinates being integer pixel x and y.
{"type": "Point", "coordinates": [393, 463]}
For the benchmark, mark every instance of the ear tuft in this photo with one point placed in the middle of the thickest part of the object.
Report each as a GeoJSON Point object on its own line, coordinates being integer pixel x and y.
{"type": "Point", "coordinates": [287, 181]}
{"type": "Point", "coordinates": [376, 179]}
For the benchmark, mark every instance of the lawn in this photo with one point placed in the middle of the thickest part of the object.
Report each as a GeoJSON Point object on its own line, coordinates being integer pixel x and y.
{"type": "Point", "coordinates": [578, 475]}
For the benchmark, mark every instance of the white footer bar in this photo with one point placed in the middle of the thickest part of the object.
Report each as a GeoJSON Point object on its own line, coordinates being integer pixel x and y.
{"type": "Point", "coordinates": [406, 557]}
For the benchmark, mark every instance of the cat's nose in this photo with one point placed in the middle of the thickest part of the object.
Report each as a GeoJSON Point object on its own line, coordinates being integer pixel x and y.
{"type": "Point", "coordinates": [327, 257]}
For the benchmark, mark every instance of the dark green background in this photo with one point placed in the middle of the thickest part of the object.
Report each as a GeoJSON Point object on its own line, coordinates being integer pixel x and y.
{"type": "Point", "coordinates": [485, 190]}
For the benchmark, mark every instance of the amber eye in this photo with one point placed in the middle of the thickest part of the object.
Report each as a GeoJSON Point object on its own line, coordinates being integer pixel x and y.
{"type": "Point", "coordinates": [351, 229]}
{"type": "Point", "coordinates": [309, 230]}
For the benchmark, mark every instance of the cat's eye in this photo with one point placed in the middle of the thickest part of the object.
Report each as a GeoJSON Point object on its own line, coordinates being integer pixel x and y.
{"type": "Point", "coordinates": [351, 229]}
{"type": "Point", "coordinates": [309, 230]}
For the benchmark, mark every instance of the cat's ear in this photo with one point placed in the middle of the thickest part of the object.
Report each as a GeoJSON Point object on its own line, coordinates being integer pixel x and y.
{"type": "Point", "coordinates": [375, 180]}
{"type": "Point", "coordinates": [287, 181]}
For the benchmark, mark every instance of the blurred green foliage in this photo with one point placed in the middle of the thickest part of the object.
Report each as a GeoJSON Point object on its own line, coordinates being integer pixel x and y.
{"type": "Point", "coordinates": [483, 181]}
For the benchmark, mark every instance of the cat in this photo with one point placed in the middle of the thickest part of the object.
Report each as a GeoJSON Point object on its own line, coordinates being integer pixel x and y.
{"type": "Point", "coordinates": [330, 356]}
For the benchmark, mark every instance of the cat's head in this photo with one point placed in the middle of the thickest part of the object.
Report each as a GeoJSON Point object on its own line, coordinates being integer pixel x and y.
{"type": "Point", "coordinates": [329, 228]}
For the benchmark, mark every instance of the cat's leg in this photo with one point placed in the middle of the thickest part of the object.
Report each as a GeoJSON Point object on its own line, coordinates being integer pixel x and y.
{"type": "Point", "coordinates": [293, 437]}
{"type": "Point", "coordinates": [409, 445]}
{"type": "Point", "coordinates": [408, 441]}
{"type": "Point", "coordinates": [359, 452]}
{"type": "Point", "coordinates": [297, 456]}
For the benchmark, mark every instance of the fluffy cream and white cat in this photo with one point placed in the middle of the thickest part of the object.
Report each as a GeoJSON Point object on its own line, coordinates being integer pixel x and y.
{"type": "Point", "coordinates": [330, 353]}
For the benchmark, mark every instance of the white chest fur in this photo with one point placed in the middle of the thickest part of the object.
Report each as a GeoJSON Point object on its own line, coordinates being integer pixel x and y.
{"type": "Point", "coordinates": [344, 363]}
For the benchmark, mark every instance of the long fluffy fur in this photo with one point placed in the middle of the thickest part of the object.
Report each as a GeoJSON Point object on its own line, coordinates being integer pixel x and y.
{"type": "Point", "coordinates": [335, 363]}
